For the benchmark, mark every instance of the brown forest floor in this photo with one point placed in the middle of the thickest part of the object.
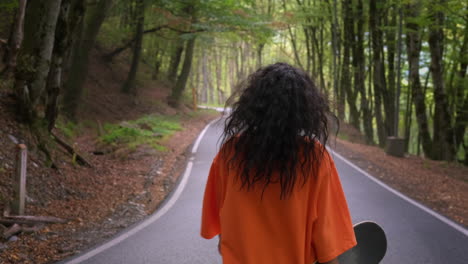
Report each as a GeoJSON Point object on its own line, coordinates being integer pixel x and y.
{"type": "Point", "coordinates": [123, 186]}
{"type": "Point", "coordinates": [439, 185]}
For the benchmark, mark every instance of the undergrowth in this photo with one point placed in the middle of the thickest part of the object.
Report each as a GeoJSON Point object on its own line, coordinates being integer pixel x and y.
{"type": "Point", "coordinates": [68, 128]}
{"type": "Point", "coordinates": [148, 130]}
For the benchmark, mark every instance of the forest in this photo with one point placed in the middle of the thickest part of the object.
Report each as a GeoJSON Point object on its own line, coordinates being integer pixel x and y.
{"type": "Point", "coordinates": [390, 68]}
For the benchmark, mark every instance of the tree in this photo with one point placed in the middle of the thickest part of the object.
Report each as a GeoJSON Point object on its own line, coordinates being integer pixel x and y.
{"type": "Point", "coordinates": [443, 144]}
{"type": "Point", "coordinates": [62, 45]}
{"type": "Point", "coordinates": [413, 43]}
{"type": "Point", "coordinates": [129, 85]}
{"type": "Point", "coordinates": [14, 42]}
{"type": "Point", "coordinates": [84, 42]}
{"type": "Point", "coordinates": [346, 77]}
{"type": "Point", "coordinates": [375, 12]}
{"type": "Point", "coordinates": [360, 73]}
{"type": "Point", "coordinates": [35, 55]}
{"type": "Point", "coordinates": [179, 87]}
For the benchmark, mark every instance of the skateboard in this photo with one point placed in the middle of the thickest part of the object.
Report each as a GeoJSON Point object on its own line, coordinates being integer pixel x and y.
{"type": "Point", "coordinates": [371, 245]}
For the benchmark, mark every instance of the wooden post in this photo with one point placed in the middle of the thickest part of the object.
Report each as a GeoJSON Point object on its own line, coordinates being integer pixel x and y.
{"type": "Point", "coordinates": [194, 97]}
{"type": "Point", "coordinates": [20, 180]}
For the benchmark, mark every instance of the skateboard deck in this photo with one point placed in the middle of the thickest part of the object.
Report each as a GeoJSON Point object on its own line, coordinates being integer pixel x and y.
{"type": "Point", "coordinates": [371, 245]}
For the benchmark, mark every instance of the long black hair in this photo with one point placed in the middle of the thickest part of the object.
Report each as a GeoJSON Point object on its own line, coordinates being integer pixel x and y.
{"type": "Point", "coordinates": [276, 125]}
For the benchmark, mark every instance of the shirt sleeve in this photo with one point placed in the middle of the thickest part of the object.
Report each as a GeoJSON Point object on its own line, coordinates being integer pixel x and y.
{"type": "Point", "coordinates": [210, 225]}
{"type": "Point", "coordinates": [333, 232]}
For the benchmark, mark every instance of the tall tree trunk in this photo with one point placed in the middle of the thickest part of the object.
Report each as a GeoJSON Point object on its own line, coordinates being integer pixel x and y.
{"type": "Point", "coordinates": [62, 46]}
{"type": "Point", "coordinates": [206, 81]}
{"type": "Point", "coordinates": [413, 43]}
{"type": "Point", "coordinates": [14, 43]}
{"type": "Point", "coordinates": [307, 41]}
{"type": "Point", "coordinates": [318, 46]}
{"type": "Point", "coordinates": [408, 118]}
{"type": "Point", "coordinates": [218, 69]}
{"type": "Point", "coordinates": [176, 94]}
{"type": "Point", "coordinates": [129, 86]}
{"type": "Point", "coordinates": [398, 72]}
{"type": "Point", "coordinates": [443, 143]}
{"type": "Point", "coordinates": [360, 73]}
{"type": "Point", "coordinates": [208, 75]}
{"type": "Point", "coordinates": [335, 51]}
{"type": "Point", "coordinates": [259, 54]}
{"type": "Point", "coordinates": [461, 120]}
{"type": "Point", "coordinates": [346, 80]}
{"type": "Point", "coordinates": [389, 93]}
{"type": "Point", "coordinates": [36, 53]}
{"type": "Point", "coordinates": [378, 66]}
{"type": "Point", "coordinates": [175, 60]}
{"type": "Point", "coordinates": [79, 68]}
{"type": "Point", "coordinates": [156, 65]}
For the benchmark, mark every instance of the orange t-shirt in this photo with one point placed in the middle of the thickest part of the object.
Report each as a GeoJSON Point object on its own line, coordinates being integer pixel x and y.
{"type": "Point", "coordinates": [313, 224]}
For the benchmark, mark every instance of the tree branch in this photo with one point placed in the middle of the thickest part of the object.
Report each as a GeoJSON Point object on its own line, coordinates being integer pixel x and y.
{"type": "Point", "coordinates": [109, 56]}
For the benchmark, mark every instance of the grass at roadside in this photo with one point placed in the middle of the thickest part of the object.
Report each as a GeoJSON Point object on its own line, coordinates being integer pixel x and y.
{"type": "Point", "coordinates": [147, 130]}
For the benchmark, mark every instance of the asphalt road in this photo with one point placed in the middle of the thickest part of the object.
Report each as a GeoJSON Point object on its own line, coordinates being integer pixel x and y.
{"type": "Point", "coordinates": [415, 234]}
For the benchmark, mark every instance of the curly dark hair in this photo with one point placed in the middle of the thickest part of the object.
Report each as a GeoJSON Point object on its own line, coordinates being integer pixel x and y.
{"type": "Point", "coordinates": [275, 125]}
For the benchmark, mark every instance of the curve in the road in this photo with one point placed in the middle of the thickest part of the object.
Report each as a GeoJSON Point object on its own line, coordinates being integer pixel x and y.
{"type": "Point", "coordinates": [160, 212]}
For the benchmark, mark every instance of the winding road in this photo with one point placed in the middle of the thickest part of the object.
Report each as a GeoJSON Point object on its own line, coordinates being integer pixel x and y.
{"type": "Point", "coordinates": [415, 234]}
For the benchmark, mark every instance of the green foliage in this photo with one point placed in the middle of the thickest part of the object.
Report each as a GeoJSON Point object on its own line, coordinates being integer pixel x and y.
{"type": "Point", "coordinates": [148, 130]}
{"type": "Point", "coordinates": [68, 128]}
{"type": "Point", "coordinates": [8, 4]}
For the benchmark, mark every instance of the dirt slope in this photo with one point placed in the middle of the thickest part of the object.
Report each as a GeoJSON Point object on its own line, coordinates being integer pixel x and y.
{"type": "Point", "coordinates": [122, 187]}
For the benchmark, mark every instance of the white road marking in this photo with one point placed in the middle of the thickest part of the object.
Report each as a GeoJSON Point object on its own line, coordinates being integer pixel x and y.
{"type": "Point", "coordinates": [442, 218]}
{"type": "Point", "coordinates": [159, 213]}
{"type": "Point", "coordinates": [197, 142]}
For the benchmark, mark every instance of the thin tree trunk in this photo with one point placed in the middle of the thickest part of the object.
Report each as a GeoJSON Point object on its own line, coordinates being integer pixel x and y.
{"type": "Point", "coordinates": [62, 46]}
{"type": "Point", "coordinates": [346, 79]}
{"type": "Point", "coordinates": [335, 53]}
{"type": "Point", "coordinates": [413, 42]}
{"type": "Point", "coordinates": [443, 144]}
{"type": "Point", "coordinates": [175, 60]}
{"type": "Point", "coordinates": [408, 119]}
{"type": "Point", "coordinates": [398, 72]}
{"type": "Point", "coordinates": [360, 74]}
{"type": "Point", "coordinates": [208, 76]}
{"type": "Point", "coordinates": [259, 54]}
{"type": "Point", "coordinates": [388, 94]}
{"type": "Point", "coordinates": [129, 86]}
{"type": "Point", "coordinates": [174, 99]}
{"type": "Point", "coordinates": [307, 41]}
{"type": "Point", "coordinates": [319, 47]}
{"type": "Point", "coordinates": [293, 41]}
{"type": "Point", "coordinates": [16, 39]}
{"type": "Point", "coordinates": [218, 66]}
{"type": "Point", "coordinates": [461, 120]}
{"type": "Point", "coordinates": [378, 67]}
{"type": "Point", "coordinates": [206, 82]}
{"type": "Point", "coordinates": [79, 68]}
{"type": "Point", "coordinates": [41, 20]}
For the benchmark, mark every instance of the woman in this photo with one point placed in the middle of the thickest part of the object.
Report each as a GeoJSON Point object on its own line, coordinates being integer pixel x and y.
{"type": "Point", "coordinates": [273, 193]}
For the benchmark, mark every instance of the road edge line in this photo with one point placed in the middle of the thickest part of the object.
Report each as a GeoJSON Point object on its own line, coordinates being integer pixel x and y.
{"type": "Point", "coordinates": [442, 218]}
{"type": "Point", "coordinates": [197, 142]}
{"type": "Point", "coordinates": [155, 216]}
